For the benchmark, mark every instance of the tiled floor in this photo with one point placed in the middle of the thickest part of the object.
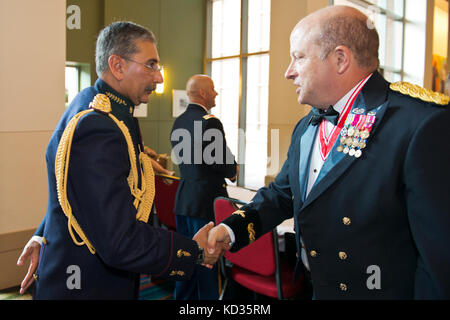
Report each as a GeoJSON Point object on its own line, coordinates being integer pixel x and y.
{"type": "Point", "coordinates": [157, 290]}
{"type": "Point", "coordinates": [13, 294]}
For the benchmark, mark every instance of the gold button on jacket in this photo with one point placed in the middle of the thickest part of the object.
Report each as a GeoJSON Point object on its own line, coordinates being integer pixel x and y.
{"type": "Point", "coordinates": [342, 255]}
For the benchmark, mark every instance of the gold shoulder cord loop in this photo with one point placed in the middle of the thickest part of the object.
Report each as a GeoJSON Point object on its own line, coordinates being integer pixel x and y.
{"type": "Point", "coordinates": [61, 170]}
{"type": "Point", "coordinates": [143, 197]}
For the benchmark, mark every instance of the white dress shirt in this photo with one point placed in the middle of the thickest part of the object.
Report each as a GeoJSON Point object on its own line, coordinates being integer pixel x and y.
{"type": "Point", "coordinates": [317, 162]}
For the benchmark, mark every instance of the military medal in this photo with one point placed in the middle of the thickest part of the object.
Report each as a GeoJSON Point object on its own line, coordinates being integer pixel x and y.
{"type": "Point", "coordinates": [346, 139]}
{"type": "Point", "coordinates": [350, 138]}
{"type": "Point", "coordinates": [348, 127]}
{"type": "Point", "coordinates": [351, 131]}
{"type": "Point", "coordinates": [359, 126]}
{"type": "Point", "coordinates": [365, 134]}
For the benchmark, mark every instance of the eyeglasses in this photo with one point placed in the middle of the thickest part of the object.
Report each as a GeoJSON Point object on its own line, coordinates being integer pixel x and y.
{"type": "Point", "coordinates": [155, 67]}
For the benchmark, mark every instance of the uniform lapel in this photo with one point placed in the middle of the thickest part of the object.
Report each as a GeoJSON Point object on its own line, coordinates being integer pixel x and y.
{"type": "Point", "coordinates": [373, 97]}
{"type": "Point", "coordinates": [295, 164]}
{"type": "Point", "coordinates": [306, 145]}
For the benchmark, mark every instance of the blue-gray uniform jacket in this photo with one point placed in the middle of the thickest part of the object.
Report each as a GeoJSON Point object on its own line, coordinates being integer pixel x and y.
{"type": "Point", "coordinates": [377, 226]}
{"type": "Point", "coordinates": [101, 201]}
{"type": "Point", "coordinates": [198, 141]}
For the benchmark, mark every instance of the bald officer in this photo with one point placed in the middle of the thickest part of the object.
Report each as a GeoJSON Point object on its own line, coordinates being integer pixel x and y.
{"type": "Point", "coordinates": [200, 147]}
{"type": "Point", "coordinates": [366, 177]}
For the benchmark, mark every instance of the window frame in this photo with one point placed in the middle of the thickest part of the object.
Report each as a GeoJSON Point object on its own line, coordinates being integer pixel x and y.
{"type": "Point", "coordinates": [243, 63]}
{"type": "Point", "coordinates": [395, 18]}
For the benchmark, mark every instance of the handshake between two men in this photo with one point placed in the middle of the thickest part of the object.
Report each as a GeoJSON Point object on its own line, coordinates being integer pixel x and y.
{"type": "Point", "coordinates": [214, 240]}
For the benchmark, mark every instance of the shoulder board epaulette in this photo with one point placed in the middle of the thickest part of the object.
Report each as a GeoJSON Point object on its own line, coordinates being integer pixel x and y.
{"type": "Point", "coordinates": [423, 94]}
{"type": "Point", "coordinates": [208, 116]}
{"type": "Point", "coordinates": [101, 103]}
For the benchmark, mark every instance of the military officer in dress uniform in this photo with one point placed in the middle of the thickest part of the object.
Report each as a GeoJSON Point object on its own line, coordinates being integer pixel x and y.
{"type": "Point", "coordinates": [366, 177]}
{"type": "Point", "coordinates": [95, 237]}
{"type": "Point", "coordinates": [200, 147]}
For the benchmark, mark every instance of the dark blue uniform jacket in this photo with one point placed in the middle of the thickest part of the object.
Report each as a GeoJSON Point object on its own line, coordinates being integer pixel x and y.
{"type": "Point", "coordinates": [388, 211]}
{"type": "Point", "coordinates": [198, 141]}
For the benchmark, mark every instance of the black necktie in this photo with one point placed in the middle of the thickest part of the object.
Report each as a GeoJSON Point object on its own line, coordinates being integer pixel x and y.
{"type": "Point", "coordinates": [318, 115]}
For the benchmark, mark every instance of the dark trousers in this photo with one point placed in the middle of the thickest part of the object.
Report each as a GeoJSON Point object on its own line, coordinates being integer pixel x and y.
{"type": "Point", "coordinates": [204, 282]}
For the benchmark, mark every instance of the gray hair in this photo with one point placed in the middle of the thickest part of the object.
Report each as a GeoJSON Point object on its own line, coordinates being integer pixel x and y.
{"type": "Point", "coordinates": [354, 33]}
{"type": "Point", "coordinates": [119, 38]}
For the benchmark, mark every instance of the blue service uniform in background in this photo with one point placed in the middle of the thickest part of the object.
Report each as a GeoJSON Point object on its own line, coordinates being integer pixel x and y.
{"type": "Point", "coordinates": [205, 163]}
{"type": "Point", "coordinates": [102, 203]}
{"type": "Point", "coordinates": [385, 214]}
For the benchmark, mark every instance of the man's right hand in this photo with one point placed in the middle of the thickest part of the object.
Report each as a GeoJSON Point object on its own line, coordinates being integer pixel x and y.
{"type": "Point", "coordinates": [218, 234]}
{"type": "Point", "coordinates": [30, 252]}
{"type": "Point", "coordinates": [211, 257]}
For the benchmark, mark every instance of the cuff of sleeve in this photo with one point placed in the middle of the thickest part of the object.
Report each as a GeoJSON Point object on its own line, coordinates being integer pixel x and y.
{"type": "Point", "coordinates": [230, 232]}
{"type": "Point", "coordinates": [182, 258]}
{"type": "Point", "coordinates": [38, 239]}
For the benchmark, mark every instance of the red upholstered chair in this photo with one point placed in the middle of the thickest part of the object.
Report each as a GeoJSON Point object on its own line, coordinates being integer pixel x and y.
{"type": "Point", "coordinates": [258, 266]}
{"type": "Point", "coordinates": [165, 192]}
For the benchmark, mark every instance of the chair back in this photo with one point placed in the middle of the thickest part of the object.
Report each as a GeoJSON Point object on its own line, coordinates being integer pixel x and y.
{"type": "Point", "coordinates": [165, 191]}
{"type": "Point", "coordinates": [258, 257]}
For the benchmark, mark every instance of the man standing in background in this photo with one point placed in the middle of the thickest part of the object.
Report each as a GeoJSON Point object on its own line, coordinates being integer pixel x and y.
{"type": "Point", "coordinates": [205, 161]}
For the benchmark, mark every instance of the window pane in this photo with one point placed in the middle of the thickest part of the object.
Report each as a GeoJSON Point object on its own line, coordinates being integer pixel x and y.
{"type": "Point", "coordinates": [396, 6]}
{"type": "Point", "coordinates": [380, 24]}
{"type": "Point", "coordinates": [72, 75]}
{"type": "Point", "coordinates": [226, 28]}
{"type": "Point", "coordinates": [393, 45]}
{"type": "Point", "coordinates": [225, 74]}
{"type": "Point", "coordinates": [256, 121]}
{"type": "Point", "coordinates": [393, 6]}
{"type": "Point", "coordinates": [351, 4]}
{"type": "Point", "coordinates": [258, 25]}
{"type": "Point", "coordinates": [392, 77]}
{"type": "Point", "coordinates": [390, 32]}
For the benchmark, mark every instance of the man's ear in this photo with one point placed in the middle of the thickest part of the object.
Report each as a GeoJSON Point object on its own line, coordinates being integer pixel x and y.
{"type": "Point", "coordinates": [342, 57]}
{"type": "Point", "coordinates": [202, 93]}
{"type": "Point", "coordinates": [116, 66]}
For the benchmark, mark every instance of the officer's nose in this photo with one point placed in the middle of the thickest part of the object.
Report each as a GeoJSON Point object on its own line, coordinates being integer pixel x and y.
{"type": "Point", "coordinates": [290, 72]}
{"type": "Point", "coordinates": [159, 77]}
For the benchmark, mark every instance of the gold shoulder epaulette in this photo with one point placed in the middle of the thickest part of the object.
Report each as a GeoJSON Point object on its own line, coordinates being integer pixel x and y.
{"type": "Point", "coordinates": [208, 116]}
{"type": "Point", "coordinates": [101, 103]}
{"type": "Point", "coordinates": [423, 94]}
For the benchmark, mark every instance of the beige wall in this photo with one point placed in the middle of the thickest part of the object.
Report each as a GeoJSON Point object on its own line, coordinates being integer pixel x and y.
{"type": "Point", "coordinates": [284, 110]}
{"type": "Point", "coordinates": [32, 60]}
